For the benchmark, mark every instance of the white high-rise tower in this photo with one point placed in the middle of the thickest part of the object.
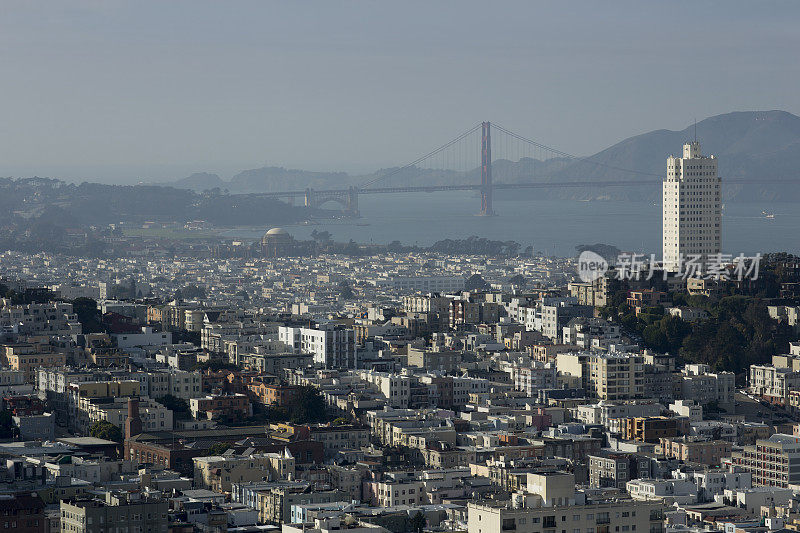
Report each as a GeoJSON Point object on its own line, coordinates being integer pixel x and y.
{"type": "Point", "coordinates": [691, 208]}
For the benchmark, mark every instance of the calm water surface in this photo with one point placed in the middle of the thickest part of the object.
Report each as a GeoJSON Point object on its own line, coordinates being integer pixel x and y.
{"type": "Point", "coordinates": [550, 226]}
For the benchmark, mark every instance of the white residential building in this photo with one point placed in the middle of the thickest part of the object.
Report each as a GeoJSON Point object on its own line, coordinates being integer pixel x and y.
{"type": "Point", "coordinates": [147, 337]}
{"type": "Point", "coordinates": [180, 383]}
{"type": "Point", "coordinates": [773, 383]}
{"type": "Point", "coordinates": [395, 388]}
{"type": "Point", "coordinates": [332, 346]}
{"type": "Point", "coordinates": [691, 207]}
{"type": "Point", "coordinates": [533, 377]}
{"type": "Point", "coordinates": [669, 491]}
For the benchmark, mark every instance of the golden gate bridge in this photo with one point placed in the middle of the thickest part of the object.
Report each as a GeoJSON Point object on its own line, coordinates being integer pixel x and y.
{"type": "Point", "coordinates": [537, 167]}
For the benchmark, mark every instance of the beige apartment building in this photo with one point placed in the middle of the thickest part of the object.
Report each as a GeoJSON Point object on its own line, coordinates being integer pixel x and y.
{"type": "Point", "coordinates": [707, 452]}
{"type": "Point", "coordinates": [29, 358]}
{"type": "Point", "coordinates": [551, 505]}
{"type": "Point", "coordinates": [217, 473]}
{"type": "Point", "coordinates": [616, 376]}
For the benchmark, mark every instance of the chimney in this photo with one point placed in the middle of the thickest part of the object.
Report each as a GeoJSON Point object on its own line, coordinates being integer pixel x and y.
{"type": "Point", "coordinates": [133, 424]}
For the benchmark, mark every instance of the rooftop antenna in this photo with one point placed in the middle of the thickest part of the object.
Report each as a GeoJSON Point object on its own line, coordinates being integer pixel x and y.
{"type": "Point", "coordinates": [695, 129]}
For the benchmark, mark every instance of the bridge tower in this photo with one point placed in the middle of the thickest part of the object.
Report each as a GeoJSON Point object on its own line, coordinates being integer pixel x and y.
{"type": "Point", "coordinates": [352, 202]}
{"type": "Point", "coordinates": [486, 171]}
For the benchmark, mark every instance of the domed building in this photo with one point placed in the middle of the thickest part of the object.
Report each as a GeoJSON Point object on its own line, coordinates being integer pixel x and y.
{"type": "Point", "coordinates": [277, 243]}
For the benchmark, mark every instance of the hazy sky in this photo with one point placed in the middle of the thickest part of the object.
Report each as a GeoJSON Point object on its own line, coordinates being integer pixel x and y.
{"type": "Point", "coordinates": [119, 91]}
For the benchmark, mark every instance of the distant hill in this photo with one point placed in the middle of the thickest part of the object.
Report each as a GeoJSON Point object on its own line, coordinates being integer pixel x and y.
{"type": "Point", "coordinates": [282, 179]}
{"type": "Point", "coordinates": [265, 179]}
{"type": "Point", "coordinates": [761, 146]}
{"type": "Point", "coordinates": [200, 181]}
{"type": "Point", "coordinates": [87, 204]}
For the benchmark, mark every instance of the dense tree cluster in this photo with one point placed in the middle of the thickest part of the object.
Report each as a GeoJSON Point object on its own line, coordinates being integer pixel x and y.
{"type": "Point", "coordinates": [308, 407]}
{"type": "Point", "coordinates": [105, 430]}
{"type": "Point", "coordinates": [178, 406]}
{"type": "Point", "coordinates": [738, 331]}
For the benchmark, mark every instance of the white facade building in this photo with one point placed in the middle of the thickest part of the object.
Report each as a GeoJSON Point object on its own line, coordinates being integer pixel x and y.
{"type": "Point", "coordinates": [147, 337]}
{"type": "Point", "coordinates": [691, 208]}
{"type": "Point", "coordinates": [332, 346]}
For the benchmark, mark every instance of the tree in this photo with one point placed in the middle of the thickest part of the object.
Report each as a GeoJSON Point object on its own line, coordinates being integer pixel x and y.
{"type": "Point", "coordinates": [88, 314]}
{"type": "Point", "coordinates": [655, 338]}
{"type": "Point", "coordinates": [105, 430]}
{"type": "Point", "coordinates": [518, 280]}
{"type": "Point", "coordinates": [7, 429]}
{"type": "Point", "coordinates": [395, 247]}
{"type": "Point", "coordinates": [321, 237]}
{"type": "Point", "coordinates": [345, 291]}
{"type": "Point", "coordinates": [418, 522]}
{"type": "Point", "coordinates": [179, 406]}
{"type": "Point", "coordinates": [193, 292]}
{"type": "Point", "coordinates": [475, 282]}
{"type": "Point", "coordinates": [214, 365]}
{"type": "Point", "coordinates": [307, 407]}
{"type": "Point", "coordinates": [219, 448]}
{"type": "Point", "coordinates": [183, 335]}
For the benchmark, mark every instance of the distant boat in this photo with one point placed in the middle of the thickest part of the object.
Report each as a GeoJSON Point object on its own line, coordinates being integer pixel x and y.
{"type": "Point", "coordinates": [767, 215]}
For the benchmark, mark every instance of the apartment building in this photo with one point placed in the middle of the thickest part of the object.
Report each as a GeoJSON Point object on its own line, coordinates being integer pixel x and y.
{"type": "Point", "coordinates": [552, 314]}
{"type": "Point", "coordinates": [218, 473]}
{"type": "Point", "coordinates": [443, 360]}
{"type": "Point", "coordinates": [395, 388]}
{"type": "Point", "coordinates": [697, 382]}
{"type": "Point", "coordinates": [28, 358]}
{"type": "Point", "coordinates": [426, 303]}
{"type": "Point", "coordinates": [551, 503]}
{"type": "Point", "coordinates": [119, 510]}
{"type": "Point", "coordinates": [707, 452]}
{"type": "Point", "coordinates": [179, 383]}
{"type": "Point", "coordinates": [773, 383]}
{"type": "Point", "coordinates": [338, 438]}
{"type": "Point", "coordinates": [271, 393]}
{"type": "Point", "coordinates": [392, 492]}
{"type": "Point", "coordinates": [221, 406]}
{"type": "Point", "coordinates": [668, 491]}
{"type": "Point", "coordinates": [649, 429]}
{"type": "Point", "coordinates": [274, 503]}
{"type": "Point", "coordinates": [532, 378]}
{"type": "Point", "coordinates": [53, 318]}
{"type": "Point", "coordinates": [691, 208]}
{"type": "Point", "coordinates": [594, 293]}
{"type": "Point", "coordinates": [610, 469]}
{"type": "Point", "coordinates": [773, 462]}
{"type": "Point", "coordinates": [154, 416]}
{"type": "Point", "coordinates": [332, 346]}
{"type": "Point", "coordinates": [584, 332]}
{"type": "Point", "coordinates": [603, 412]}
{"type": "Point", "coordinates": [23, 512]}
{"type": "Point", "coordinates": [616, 376]}
{"type": "Point", "coordinates": [714, 481]}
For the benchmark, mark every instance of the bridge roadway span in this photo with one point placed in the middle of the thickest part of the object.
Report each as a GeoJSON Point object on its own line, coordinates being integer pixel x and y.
{"type": "Point", "coordinates": [477, 187]}
{"type": "Point", "coordinates": [470, 187]}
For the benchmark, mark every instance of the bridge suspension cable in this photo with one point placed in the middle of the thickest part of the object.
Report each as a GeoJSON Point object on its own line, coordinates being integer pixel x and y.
{"type": "Point", "coordinates": [571, 156]}
{"type": "Point", "coordinates": [419, 160]}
